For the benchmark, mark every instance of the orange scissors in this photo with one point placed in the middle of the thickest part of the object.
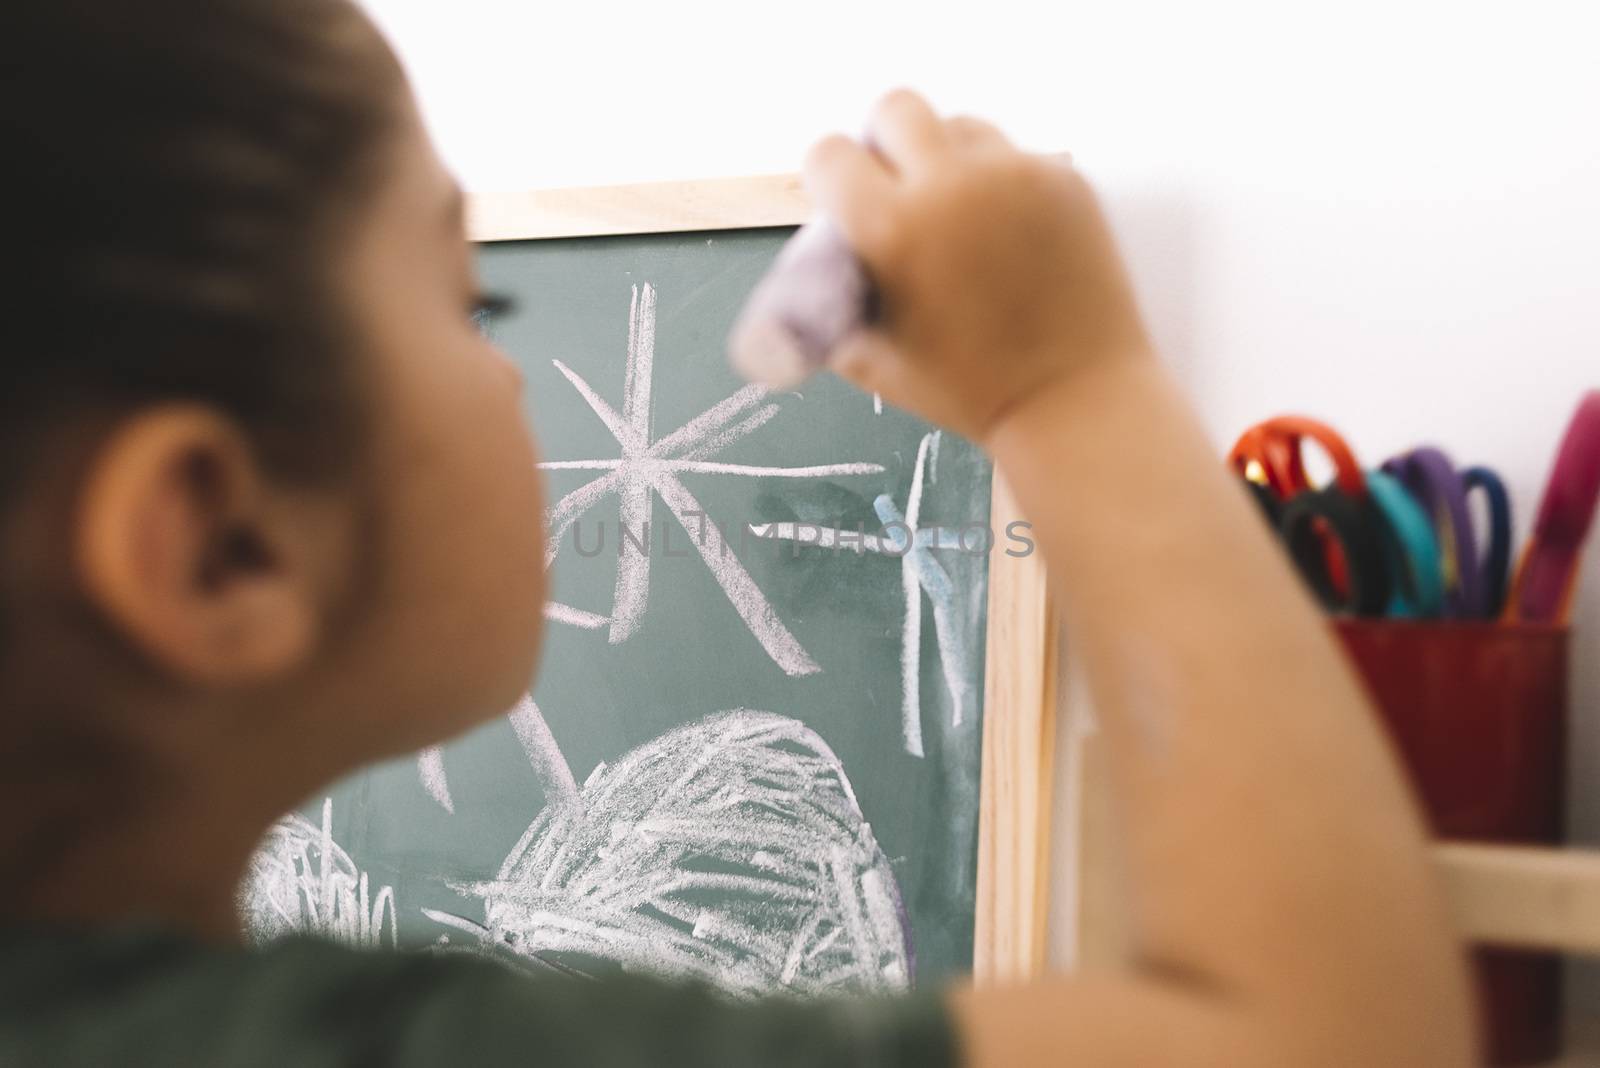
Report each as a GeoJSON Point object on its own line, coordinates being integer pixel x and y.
{"type": "Point", "coordinates": [1271, 455]}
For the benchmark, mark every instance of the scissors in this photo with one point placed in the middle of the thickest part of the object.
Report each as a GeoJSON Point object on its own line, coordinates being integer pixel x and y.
{"type": "Point", "coordinates": [1474, 582]}
{"type": "Point", "coordinates": [1336, 533]}
{"type": "Point", "coordinates": [1411, 551]}
{"type": "Point", "coordinates": [1270, 458]}
{"type": "Point", "coordinates": [1547, 573]}
{"type": "Point", "coordinates": [1271, 453]}
{"type": "Point", "coordinates": [1267, 501]}
{"type": "Point", "coordinates": [1336, 541]}
{"type": "Point", "coordinates": [1497, 558]}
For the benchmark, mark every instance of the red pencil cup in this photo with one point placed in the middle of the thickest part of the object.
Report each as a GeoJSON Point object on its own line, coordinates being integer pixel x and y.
{"type": "Point", "coordinates": [1479, 714]}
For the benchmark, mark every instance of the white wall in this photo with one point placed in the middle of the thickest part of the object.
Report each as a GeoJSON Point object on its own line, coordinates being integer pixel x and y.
{"type": "Point", "coordinates": [1385, 215]}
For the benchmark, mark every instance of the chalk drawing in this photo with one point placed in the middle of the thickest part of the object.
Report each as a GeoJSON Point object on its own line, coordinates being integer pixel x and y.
{"type": "Point", "coordinates": [537, 743]}
{"type": "Point", "coordinates": [574, 617]}
{"type": "Point", "coordinates": [430, 767]}
{"type": "Point", "coordinates": [647, 467]}
{"type": "Point", "coordinates": [730, 850]}
{"type": "Point", "coordinates": [300, 881]}
{"type": "Point", "coordinates": [920, 573]}
{"type": "Point", "coordinates": [549, 765]}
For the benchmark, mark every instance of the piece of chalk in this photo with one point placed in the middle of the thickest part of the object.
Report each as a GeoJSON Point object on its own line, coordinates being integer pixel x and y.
{"type": "Point", "coordinates": [815, 295]}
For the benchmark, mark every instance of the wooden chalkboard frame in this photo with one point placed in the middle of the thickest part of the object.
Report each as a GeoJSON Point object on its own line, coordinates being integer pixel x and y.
{"type": "Point", "coordinates": [1020, 674]}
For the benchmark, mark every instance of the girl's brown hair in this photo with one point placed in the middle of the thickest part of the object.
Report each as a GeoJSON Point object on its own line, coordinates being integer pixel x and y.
{"type": "Point", "coordinates": [175, 176]}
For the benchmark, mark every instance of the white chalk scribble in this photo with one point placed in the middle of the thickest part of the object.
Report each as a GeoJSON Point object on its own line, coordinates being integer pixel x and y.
{"type": "Point", "coordinates": [920, 573]}
{"type": "Point", "coordinates": [300, 881]}
{"type": "Point", "coordinates": [649, 467]}
{"type": "Point", "coordinates": [730, 850]}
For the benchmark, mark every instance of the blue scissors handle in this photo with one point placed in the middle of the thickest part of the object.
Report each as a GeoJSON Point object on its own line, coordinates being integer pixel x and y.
{"type": "Point", "coordinates": [1495, 563]}
{"type": "Point", "coordinates": [1410, 548]}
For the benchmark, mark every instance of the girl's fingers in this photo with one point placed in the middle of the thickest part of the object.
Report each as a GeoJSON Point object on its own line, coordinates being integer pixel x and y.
{"type": "Point", "coordinates": [868, 360]}
{"type": "Point", "coordinates": [905, 131]}
{"type": "Point", "coordinates": [852, 187]}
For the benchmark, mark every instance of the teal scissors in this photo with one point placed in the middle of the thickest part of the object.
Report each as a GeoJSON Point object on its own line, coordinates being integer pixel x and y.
{"type": "Point", "coordinates": [1410, 549]}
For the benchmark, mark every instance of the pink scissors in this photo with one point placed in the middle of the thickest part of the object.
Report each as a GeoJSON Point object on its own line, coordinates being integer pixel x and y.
{"type": "Point", "coordinates": [1548, 571]}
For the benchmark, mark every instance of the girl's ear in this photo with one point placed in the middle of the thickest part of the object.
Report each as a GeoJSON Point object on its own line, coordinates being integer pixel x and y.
{"type": "Point", "coordinates": [184, 548]}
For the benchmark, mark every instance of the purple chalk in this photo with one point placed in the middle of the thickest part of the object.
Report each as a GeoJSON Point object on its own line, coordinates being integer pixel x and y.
{"type": "Point", "coordinates": [815, 295]}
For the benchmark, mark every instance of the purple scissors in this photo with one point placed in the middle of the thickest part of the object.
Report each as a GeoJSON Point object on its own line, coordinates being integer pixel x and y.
{"type": "Point", "coordinates": [1436, 484]}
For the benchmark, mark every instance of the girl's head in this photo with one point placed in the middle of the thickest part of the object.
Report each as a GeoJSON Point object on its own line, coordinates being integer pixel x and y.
{"type": "Point", "coordinates": [265, 488]}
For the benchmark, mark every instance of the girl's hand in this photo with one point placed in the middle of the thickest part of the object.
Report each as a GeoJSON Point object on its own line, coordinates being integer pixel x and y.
{"type": "Point", "coordinates": [997, 272]}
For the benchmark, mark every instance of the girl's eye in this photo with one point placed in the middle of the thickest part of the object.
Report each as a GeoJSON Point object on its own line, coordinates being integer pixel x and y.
{"type": "Point", "coordinates": [491, 306]}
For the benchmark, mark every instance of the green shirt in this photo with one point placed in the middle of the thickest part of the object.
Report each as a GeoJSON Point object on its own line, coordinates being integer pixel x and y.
{"type": "Point", "coordinates": [143, 997]}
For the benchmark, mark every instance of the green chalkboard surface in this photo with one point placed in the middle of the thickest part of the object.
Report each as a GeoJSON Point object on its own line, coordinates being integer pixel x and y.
{"type": "Point", "coordinates": [752, 754]}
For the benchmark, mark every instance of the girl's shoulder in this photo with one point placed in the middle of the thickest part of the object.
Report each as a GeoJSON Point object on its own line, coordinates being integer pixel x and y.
{"type": "Point", "coordinates": [141, 995]}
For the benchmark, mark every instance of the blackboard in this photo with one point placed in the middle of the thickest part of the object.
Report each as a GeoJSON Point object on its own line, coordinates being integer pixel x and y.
{"type": "Point", "coordinates": [753, 754]}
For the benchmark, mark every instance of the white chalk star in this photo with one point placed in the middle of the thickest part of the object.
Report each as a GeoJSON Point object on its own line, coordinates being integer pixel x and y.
{"type": "Point", "coordinates": [647, 467]}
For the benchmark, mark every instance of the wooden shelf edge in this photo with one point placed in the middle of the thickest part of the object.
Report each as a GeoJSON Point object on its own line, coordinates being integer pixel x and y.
{"type": "Point", "coordinates": [1524, 896]}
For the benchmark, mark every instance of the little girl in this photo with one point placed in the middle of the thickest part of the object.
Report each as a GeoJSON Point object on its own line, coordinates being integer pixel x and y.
{"type": "Point", "coordinates": [266, 509]}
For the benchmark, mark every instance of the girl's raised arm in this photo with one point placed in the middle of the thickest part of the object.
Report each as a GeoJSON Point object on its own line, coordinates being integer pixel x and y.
{"type": "Point", "coordinates": [1283, 909]}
